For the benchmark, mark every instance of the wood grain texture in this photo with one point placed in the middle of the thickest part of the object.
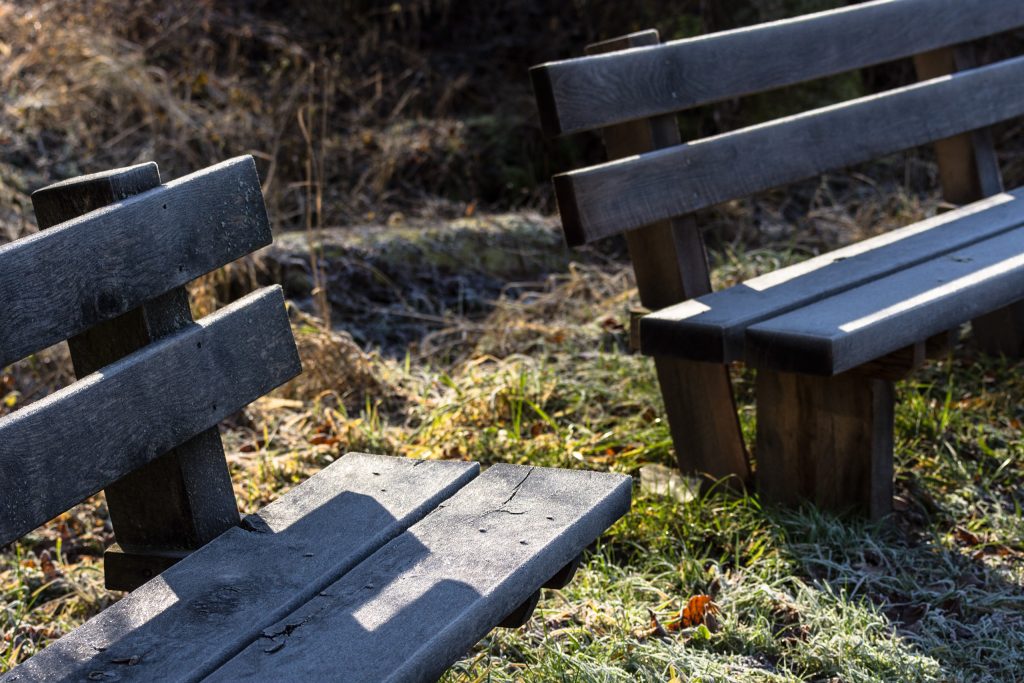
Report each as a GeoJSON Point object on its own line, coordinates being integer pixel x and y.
{"type": "Point", "coordinates": [875, 319]}
{"type": "Point", "coordinates": [713, 327]}
{"type": "Point", "coordinates": [59, 282]}
{"type": "Point", "coordinates": [827, 440]}
{"type": "Point", "coordinates": [595, 92]}
{"type": "Point", "coordinates": [670, 263]}
{"type": "Point", "coordinates": [76, 441]}
{"type": "Point", "coordinates": [208, 607]}
{"type": "Point", "coordinates": [184, 498]}
{"type": "Point", "coordinates": [630, 193]}
{"type": "Point", "coordinates": [419, 603]}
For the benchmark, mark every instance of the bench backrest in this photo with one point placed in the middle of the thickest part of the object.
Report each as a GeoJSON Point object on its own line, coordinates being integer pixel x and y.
{"type": "Point", "coordinates": [632, 88]}
{"type": "Point", "coordinates": [111, 281]}
{"type": "Point", "coordinates": [605, 90]}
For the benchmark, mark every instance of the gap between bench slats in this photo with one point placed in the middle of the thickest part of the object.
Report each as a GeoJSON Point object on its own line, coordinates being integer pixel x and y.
{"type": "Point", "coordinates": [870, 321]}
{"type": "Point", "coordinates": [594, 92]}
{"type": "Point", "coordinates": [59, 282]}
{"type": "Point", "coordinates": [712, 328]}
{"type": "Point", "coordinates": [422, 601]}
{"type": "Point", "coordinates": [199, 613]}
{"type": "Point", "coordinates": [604, 200]}
{"type": "Point", "coordinates": [69, 445]}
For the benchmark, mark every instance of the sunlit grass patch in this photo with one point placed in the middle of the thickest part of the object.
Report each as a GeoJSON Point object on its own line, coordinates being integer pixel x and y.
{"type": "Point", "coordinates": [933, 594]}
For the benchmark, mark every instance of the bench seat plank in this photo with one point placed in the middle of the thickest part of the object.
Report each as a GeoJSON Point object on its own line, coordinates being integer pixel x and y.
{"type": "Point", "coordinates": [594, 92]}
{"type": "Point", "coordinates": [424, 599]}
{"type": "Point", "coordinates": [890, 313]}
{"type": "Point", "coordinates": [712, 328]}
{"type": "Point", "coordinates": [59, 282]}
{"type": "Point", "coordinates": [208, 607]}
{"type": "Point", "coordinates": [71, 444]}
{"type": "Point", "coordinates": [605, 200]}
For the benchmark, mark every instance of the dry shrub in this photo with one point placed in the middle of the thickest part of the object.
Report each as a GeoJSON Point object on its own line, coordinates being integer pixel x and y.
{"type": "Point", "coordinates": [334, 365]}
{"type": "Point", "coordinates": [564, 312]}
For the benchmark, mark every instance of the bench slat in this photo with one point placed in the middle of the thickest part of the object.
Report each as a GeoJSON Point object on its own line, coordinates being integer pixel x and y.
{"type": "Point", "coordinates": [594, 92]}
{"type": "Point", "coordinates": [712, 328]}
{"type": "Point", "coordinates": [604, 200]}
{"type": "Point", "coordinates": [423, 600]}
{"type": "Point", "coordinates": [870, 321]}
{"type": "Point", "coordinates": [199, 613]}
{"type": "Point", "coordinates": [59, 282]}
{"type": "Point", "coordinates": [71, 444]}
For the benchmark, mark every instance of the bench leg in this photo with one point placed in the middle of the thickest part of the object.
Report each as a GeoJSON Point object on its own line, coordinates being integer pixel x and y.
{"type": "Point", "coordinates": [564, 576]}
{"type": "Point", "coordinates": [520, 615]}
{"type": "Point", "coordinates": [702, 418]}
{"type": "Point", "coordinates": [670, 263]}
{"type": "Point", "coordinates": [828, 440]}
{"type": "Point", "coordinates": [1001, 333]}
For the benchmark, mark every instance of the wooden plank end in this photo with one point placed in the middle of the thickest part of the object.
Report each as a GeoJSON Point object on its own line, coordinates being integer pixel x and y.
{"type": "Point", "coordinates": [661, 335]}
{"type": "Point", "coordinates": [547, 104]}
{"type": "Point", "coordinates": [568, 210]}
{"type": "Point", "coordinates": [68, 199]}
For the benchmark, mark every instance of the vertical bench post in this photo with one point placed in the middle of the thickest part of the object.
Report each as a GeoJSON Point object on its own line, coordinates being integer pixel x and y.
{"type": "Point", "coordinates": [184, 498]}
{"type": "Point", "coordinates": [671, 266]}
{"type": "Point", "coordinates": [828, 440]}
{"type": "Point", "coordinates": [969, 171]}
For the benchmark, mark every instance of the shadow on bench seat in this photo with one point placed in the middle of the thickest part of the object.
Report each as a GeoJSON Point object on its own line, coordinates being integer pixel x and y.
{"type": "Point", "coordinates": [376, 568]}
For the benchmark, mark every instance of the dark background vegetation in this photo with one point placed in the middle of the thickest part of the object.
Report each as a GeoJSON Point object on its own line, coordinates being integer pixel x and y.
{"type": "Point", "coordinates": [415, 106]}
{"type": "Point", "coordinates": [463, 329]}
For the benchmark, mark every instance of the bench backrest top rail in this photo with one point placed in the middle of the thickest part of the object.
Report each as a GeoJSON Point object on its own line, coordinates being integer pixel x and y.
{"type": "Point", "coordinates": [71, 444]}
{"type": "Point", "coordinates": [62, 281]}
{"type": "Point", "coordinates": [604, 200]}
{"type": "Point", "coordinates": [593, 92]}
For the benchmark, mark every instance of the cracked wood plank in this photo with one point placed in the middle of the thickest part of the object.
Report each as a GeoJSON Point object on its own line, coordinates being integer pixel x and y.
{"type": "Point", "coordinates": [420, 602]}
{"type": "Point", "coordinates": [199, 613]}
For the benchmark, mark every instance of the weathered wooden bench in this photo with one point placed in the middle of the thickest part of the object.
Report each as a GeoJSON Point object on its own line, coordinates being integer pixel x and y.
{"type": "Point", "coordinates": [376, 568]}
{"type": "Point", "coordinates": [828, 336]}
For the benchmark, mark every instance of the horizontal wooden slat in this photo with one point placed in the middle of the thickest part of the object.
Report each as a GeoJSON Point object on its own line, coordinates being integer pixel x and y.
{"type": "Point", "coordinates": [71, 444]}
{"type": "Point", "coordinates": [207, 608]}
{"type": "Point", "coordinates": [420, 603]}
{"type": "Point", "coordinates": [875, 319]}
{"type": "Point", "coordinates": [712, 327]}
{"type": "Point", "coordinates": [601, 201]}
{"type": "Point", "coordinates": [59, 282]}
{"type": "Point", "coordinates": [594, 92]}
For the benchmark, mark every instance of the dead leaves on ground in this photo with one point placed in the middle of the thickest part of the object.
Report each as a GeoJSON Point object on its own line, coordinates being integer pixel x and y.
{"type": "Point", "coordinates": [697, 618]}
{"type": "Point", "coordinates": [982, 545]}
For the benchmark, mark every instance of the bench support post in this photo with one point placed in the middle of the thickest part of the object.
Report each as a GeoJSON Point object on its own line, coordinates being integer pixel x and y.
{"type": "Point", "coordinates": [671, 266]}
{"type": "Point", "coordinates": [184, 498]}
{"type": "Point", "coordinates": [969, 171]}
{"type": "Point", "coordinates": [828, 440]}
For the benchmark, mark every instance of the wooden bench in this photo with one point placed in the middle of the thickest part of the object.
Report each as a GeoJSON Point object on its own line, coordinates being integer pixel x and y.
{"type": "Point", "coordinates": [377, 568]}
{"type": "Point", "coordinates": [828, 336]}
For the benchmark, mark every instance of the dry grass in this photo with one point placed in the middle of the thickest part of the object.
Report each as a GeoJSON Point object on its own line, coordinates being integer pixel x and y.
{"type": "Point", "coordinates": [359, 113]}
